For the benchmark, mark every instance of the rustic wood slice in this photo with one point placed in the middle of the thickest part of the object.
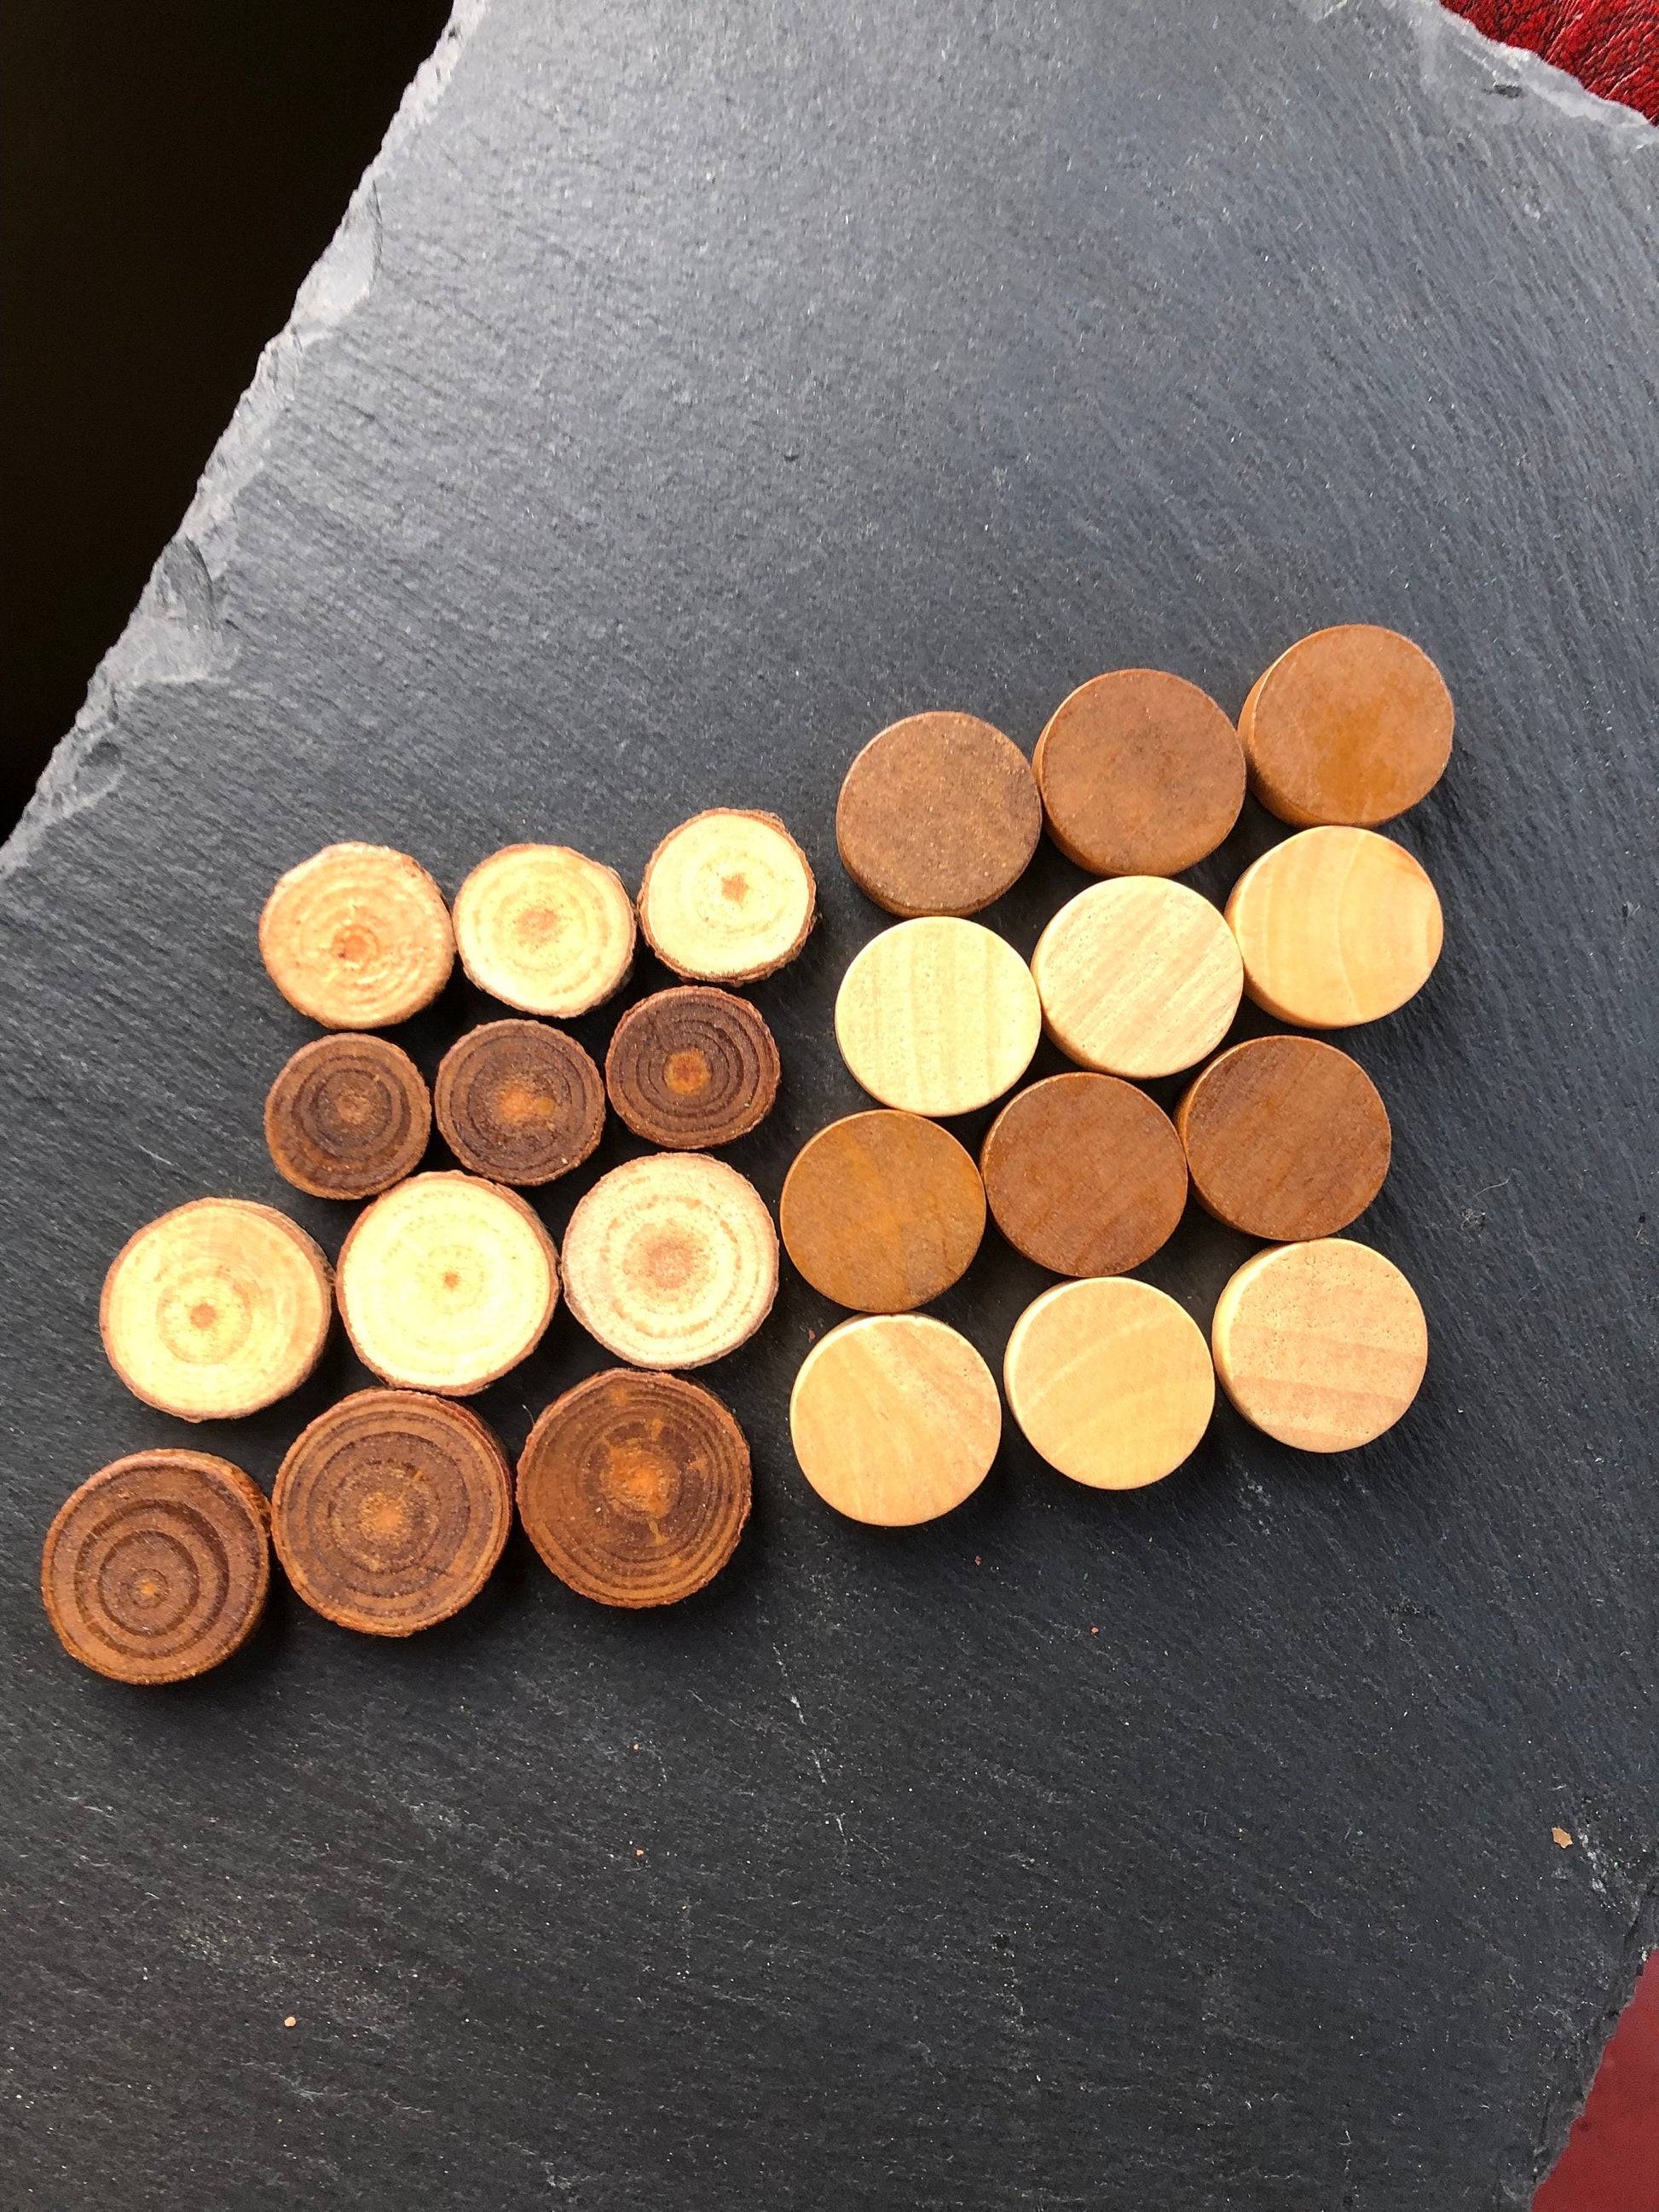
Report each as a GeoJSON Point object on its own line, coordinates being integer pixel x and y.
{"type": "Point", "coordinates": [518, 1102]}
{"type": "Point", "coordinates": [634, 1488]}
{"type": "Point", "coordinates": [1084, 1175]}
{"type": "Point", "coordinates": [1110, 1381]}
{"type": "Point", "coordinates": [1141, 774]}
{"type": "Point", "coordinates": [938, 814]}
{"type": "Point", "coordinates": [938, 1017]}
{"type": "Point", "coordinates": [882, 1211]}
{"type": "Point", "coordinates": [1138, 977]}
{"type": "Point", "coordinates": [1352, 724]}
{"type": "Point", "coordinates": [358, 936]}
{"type": "Point", "coordinates": [727, 897]}
{"type": "Point", "coordinates": [1286, 1138]}
{"type": "Point", "coordinates": [1336, 926]}
{"type": "Point", "coordinates": [157, 1568]}
{"type": "Point", "coordinates": [671, 1260]}
{"type": "Point", "coordinates": [390, 1511]}
{"type": "Point", "coordinates": [216, 1309]}
{"type": "Point", "coordinates": [692, 1067]}
{"type": "Point", "coordinates": [1322, 1345]}
{"type": "Point", "coordinates": [446, 1283]}
{"type": "Point", "coordinates": [545, 929]}
{"type": "Point", "coordinates": [348, 1117]}
{"type": "Point", "coordinates": [894, 1419]}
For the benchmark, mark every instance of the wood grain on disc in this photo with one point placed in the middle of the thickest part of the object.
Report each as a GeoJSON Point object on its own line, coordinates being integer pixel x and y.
{"type": "Point", "coordinates": [882, 1211]}
{"type": "Point", "coordinates": [727, 897]}
{"type": "Point", "coordinates": [1110, 1381]}
{"type": "Point", "coordinates": [938, 814]}
{"type": "Point", "coordinates": [348, 1117]}
{"type": "Point", "coordinates": [1138, 977]}
{"type": "Point", "coordinates": [692, 1067]}
{"type": "Point", "coordinates": [1084, 1175]}
{"type": "Point", "coordinates": [518, 1102]}
{"type": "Point", "coordinates": [634, 1488]}
{"type": "Point", "coordinates": [1286, 1138]}
{"type": "Point", "coordinates": [216, 1309]}
{"type": "Point", "coordinates": [157, 1568]}
{"type": "Point", "coordinates": [938, 1017]}
{"type": "Point", "coordinates": [1352, 724]}
{"type": "Point", "coordinates": [358, 936]}
{"type": "Point", "coordinates": [894, 1419]}
{"type": "Point", "coordinates": [1141, 774]}
{"type": "Point", "coordinates": [545, 929]}
{"type": "Point", "coordinates": [1336, 926]}
{"type": "Point", "coordinates": [391, 1510]}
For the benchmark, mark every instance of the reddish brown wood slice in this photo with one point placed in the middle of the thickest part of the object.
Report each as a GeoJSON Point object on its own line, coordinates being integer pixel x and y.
{"type": "Point", "coordinates": [518, 1102]}
{"type": "Point", "coordinates": [348, 1117]}
{"type": "Point", "coordinates": [1084, 1175]}
{"type": "Point", "coordinates": [938, 814]}
{"type": "Point", "coordinates": [882, 1211]}
{"type": "Point", "coordinates": [1141, 774]}
{"type": "Point", "coordinates": [692, 1067]}
{"type": "Point", "coordinates": [1287, 1138]}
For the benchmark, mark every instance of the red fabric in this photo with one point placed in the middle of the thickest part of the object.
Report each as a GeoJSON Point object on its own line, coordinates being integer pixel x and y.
{"type": "Point", "coordinates": [1611, 2162]}
{"type": "Point", "coordinates": [1611, 47]}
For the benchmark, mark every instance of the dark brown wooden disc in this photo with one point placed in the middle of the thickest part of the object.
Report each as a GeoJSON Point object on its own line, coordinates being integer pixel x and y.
{"type": "Point", "coordinates": [1286, 1138]}
{"type": "Point", "coordinates": [692, 1067]}
{"type": "Point", "coordinates": [348, 1117]}
{"type": "Point", "coordinates": [635, 1487]}
{"type": "Point", "coordinates": [157, 1568]}
{"type": "Point", "coordinates": [518, 1102]}
{"type": "Point", "coordinates": [882, 1211]}
{"type": "Point", "coordinates": [938, 814]}
{"type": "Point", "coordinates": [390, 1511]}
{"type": "Point", "coordinates": [1084, 1175]}
{"type": "Point", "coordinates": [1141, 774]}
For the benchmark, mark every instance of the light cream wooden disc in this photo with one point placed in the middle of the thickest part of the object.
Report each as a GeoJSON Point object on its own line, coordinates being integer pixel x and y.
{"type": "Point", "coordinates": [1139, 977]}
{"type": "Point", "coordinates": [545, 929]}
{"type": "Point", "coordinates": [727, 897]}
{"type": "Point", "coordinates": [894, 1419]}
{"type": "Point", "coordinates": [671, 1260]}
{"type": "Point", "coordinates": [446, 1282]}
{"type": "Point", "coordinates": [358, 936]}
{"type": "Point", "coordinates": [1336, 926]}
{"type": "Point", "coordinates": [1110, 1381]}
{"type": "Point", "coordinates": [937, 1016]}
{"type": "Point", "coordinates": [216, 1309]}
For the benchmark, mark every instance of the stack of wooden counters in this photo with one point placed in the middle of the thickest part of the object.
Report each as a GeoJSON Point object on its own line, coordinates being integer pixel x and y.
{"type": "Point", "coordinates": [391, 1508]}
{"type": "Point", "coordinates": [1318, 1338]}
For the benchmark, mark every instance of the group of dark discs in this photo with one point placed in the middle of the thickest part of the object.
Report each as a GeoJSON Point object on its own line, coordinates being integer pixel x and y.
{"type": "Point", "coordinates": [391, 1510]}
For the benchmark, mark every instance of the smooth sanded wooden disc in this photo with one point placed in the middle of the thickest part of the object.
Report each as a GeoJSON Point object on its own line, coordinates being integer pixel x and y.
{"type": "Point", "coordinates": [1141, 774]}
{"type": "Point", "coordinates": [1336, 926]}
{"type": "Point", "coordinates": [216, 1309]}
{"type": "Point", "coordinates": [1323, 1345]}
{"type": "Point", "coordinates": [1352, 724]}
{"type": "Point", "coordinates": [1286, 1138]}
{"type": "Point", "coordinates": [727, 897]}
{"type": "Point", "coordinates": [671, 1260]}
{"type": "Point", "coordinates": [348, 1117]}
{"type": "Point", "coordinates": [358, 936]}
{"type": "Point", "coordinates": [446, 1283]}
{"type": "Point", "coordinates": [692, 1067]}
{"type": "Point", "coordinates": [518, 1102]}
{"type": "Point", "coordinates": [882, 1211]}
{"type": "Point", "coordinates": [634, 1488]}
{"type": "Point", "coordinates": [894, 1419]}
{"type": "Point", "coordinates": [391, 1510]}
{"type": "Point", "coordinates": [938, 1017]}
{"type": "Point", "coordinates": [545, 929]}
{"type": "Point", "coordinates": [1138, 977]}
{"type": "Point", "coordinates": [1110, 1381]}
{"type": "Point", "coordinates": [938, 814]}
{"type": "Point", "coordinates": [1084, 1175]}
{"type": "Point", "coordinates": [157, 1568]}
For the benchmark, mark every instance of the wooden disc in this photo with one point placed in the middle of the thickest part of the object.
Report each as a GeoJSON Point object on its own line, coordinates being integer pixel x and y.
{"type": "Point", "coordinates": [157, 1568]}
{"type": "Point", "coordinates": [1110, 1381]}
{"type": "Point", "coordinates": [671, 1260]}
{"type": "Point", "coordinates": [1322, 1345]}
{"type": "Point", "coordinates": [938, 814]}
{"type": "Point", "coordinates": [348, 1117]}
{"type": "Point", "coordinates": [1336, 926]}
{"type": "Point", "coordinates": [1141, 774]}
{"type": "Point", "coordinates": [692, 1067]}
{"type": "Point", "coordinates": [938, 1017]}
{"type": "Point", "coordinates": [390, 1511]}
{"type": "Point", "coordinates": [1138, 977]}
{"type": "Point", "coordinates": [518, 1102]}
{"type": "Point", "coordinates": [727, 897]}
{"type": "Point", "coordinates": [215, 1309]}
{"type": "Point", "coordinates": [446, 1283]}
{"type": "Point", "coordinates": [634, 1488]}
{"type": "Point", "coordinates": [882, 1211]}
{"type": "Point", "coordinates": [894, 1419]}
{"type": "Point", "coordinates": [1286, 1138]}
{"type": "Point", "coordinates": [545, 929]}
{"type": "Point", "coordinates": [358, 936]}
{"type": "Point", "coordinates": [1352, 724]}
{"type": "Point", "coordinates": [1084, 1174]}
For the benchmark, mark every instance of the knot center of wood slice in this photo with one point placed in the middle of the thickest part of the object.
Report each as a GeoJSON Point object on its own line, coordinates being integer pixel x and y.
{"type": "Point", "coordinates": [355, 947]}
{"type": "Point", "coordinates": [639, 1477]}
{"type": "Point", "coordinates": [148, 1581]}
{"type": "Point", "coordinates": [686, 1073]}
{"type": "Point", "coordinates": [204, 1323]}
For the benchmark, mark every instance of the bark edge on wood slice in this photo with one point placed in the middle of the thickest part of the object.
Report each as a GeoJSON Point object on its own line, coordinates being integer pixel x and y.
{"type": "Point", "coordinates": [1084, 1175]}
{"type": "Point", "coordinates": [894, 1419]}
{"type": "Point", "coordinates": [1336, 927]}
{"type": "Point", "coordinates": [692, 1067]}
{"type": "Point", "coordinates": [727, 897]}
{"type": "Point", "coordinates": [357, 937]}
{"type": "Point", "coordinates": [938, 815]}
{"type": "Point", "coordinates": [1110, 1381]}
{"type": "Point", "coordinates": [1286, 1138]}
{"type": "Point", "coordinates": [1138, 977]}
{"type": "Point", "coordinates": [1352, 725]}
{"type": "Point", "coordinates": [544, 928]}
{"type": "Point", "coordinates": [882, 1211]}
{"type": "Point", "coordinates": [1141, 774]}
{"type": "Point", "coordinates": [518, 1102]}
{"type": "Point", "coordinates": [348, 1117]}
{"type": "Point", "coordinates": [937, 1016]}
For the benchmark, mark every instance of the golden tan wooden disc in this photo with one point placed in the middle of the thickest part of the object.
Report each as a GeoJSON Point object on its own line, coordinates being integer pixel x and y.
{"type": "Point", "coordinates": [1138, 977]}
{"type": "Point", "coordinates": [1336, 926]}
{"type": "Point", "coordinates": [894, 1419]}
{"type": "Point", "coordinates": [937, 1016]}
{"type": "Point", "coordinates": [727, 897]}
{"type": "Point", "coordinates": [216, 1309]}
{"type": "Point", "coordinates": [545, 929]}
{"type": "Point", "coordinates": [358, 936]}
{"type": "Point", "coordinates": [1352, 725]}
{"type": "Point", "coordinates": [1322, 1345]}
{"type": "Point", "coordinates": [1110, 1381]}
